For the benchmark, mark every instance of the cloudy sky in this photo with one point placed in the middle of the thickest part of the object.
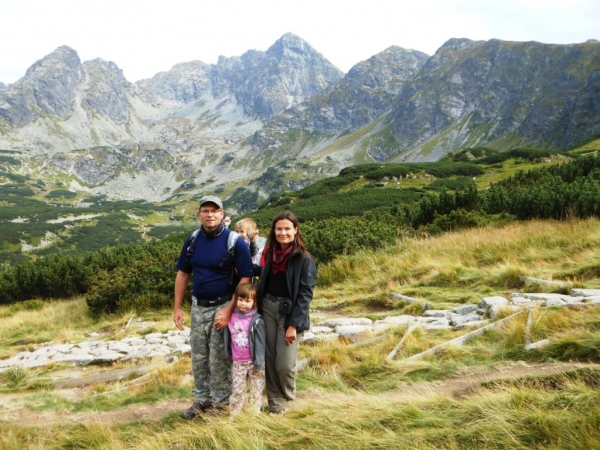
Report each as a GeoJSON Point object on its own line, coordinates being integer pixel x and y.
{"type": "Point", "coordinates": [144, 37]}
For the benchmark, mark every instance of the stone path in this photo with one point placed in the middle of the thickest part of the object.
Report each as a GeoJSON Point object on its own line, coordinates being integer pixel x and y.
{"type": "Point", "coordinates": [352, 329]}
{"type": "Point", "coordinates": [460, 317]}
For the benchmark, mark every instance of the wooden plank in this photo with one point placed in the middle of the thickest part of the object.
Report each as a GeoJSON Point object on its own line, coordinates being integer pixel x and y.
{"type": "Point", "coordinates": [460, 340]}
{"type": "Point", "coordinates": [392, 354]}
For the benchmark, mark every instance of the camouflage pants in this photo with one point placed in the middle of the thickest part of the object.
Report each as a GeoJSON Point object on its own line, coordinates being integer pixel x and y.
{"type": "Point", "coordinates": [243, 371]}
{"type": "Point", "coordinates": [211, 368]}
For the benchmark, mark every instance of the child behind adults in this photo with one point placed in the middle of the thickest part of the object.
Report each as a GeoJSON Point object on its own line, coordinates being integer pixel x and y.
{"type": "Point", "coordinates": [245, 344]}
{"type": "Point", "coordinates": [248, 230]}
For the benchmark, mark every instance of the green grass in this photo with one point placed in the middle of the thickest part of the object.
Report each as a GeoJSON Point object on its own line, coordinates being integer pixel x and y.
{"type": "Point", "coordinates": [353, 397]}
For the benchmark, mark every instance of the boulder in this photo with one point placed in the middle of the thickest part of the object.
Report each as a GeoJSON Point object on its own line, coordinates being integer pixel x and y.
{"type": "Point", "coordinates": [495, 310]}
{"type": "Point", "coordinates": [487, 302]}
{"type": "Point", "coordinates": [354, 333]}
{"type": "Point", "coordinates": [465, 309]}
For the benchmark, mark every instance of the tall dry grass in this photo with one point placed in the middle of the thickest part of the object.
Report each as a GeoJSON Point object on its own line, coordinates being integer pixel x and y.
{"type": "Point", "coordinates": [502, 417]}
{"type": "Point", "coordinates": [29, 327]}
{"type": "Point", "coordinates": [461, 267]}
{"type": "Point", "coordinates": [353, 397]}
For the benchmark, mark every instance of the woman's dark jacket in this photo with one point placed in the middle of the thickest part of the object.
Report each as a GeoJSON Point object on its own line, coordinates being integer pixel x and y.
{"type": "Point", "coordinates": [301, 276]}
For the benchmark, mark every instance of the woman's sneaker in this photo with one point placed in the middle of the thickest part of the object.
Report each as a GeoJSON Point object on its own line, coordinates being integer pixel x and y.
{"type": "Point", "coordinates": [195, 410]}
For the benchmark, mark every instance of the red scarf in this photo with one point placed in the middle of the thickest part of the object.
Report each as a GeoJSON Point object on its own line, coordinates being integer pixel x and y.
{"type": "Point", "coordinates": [280, 258]}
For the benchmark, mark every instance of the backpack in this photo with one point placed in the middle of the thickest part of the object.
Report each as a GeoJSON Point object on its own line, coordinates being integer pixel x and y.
{"type": "Point", "coordinates": [229, 254]}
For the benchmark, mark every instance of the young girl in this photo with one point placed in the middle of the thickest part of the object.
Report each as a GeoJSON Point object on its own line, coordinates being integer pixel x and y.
{"type": "Point", "coordinates": [248, 230]}
{"type": "Point", "coordinates": [245, 344]}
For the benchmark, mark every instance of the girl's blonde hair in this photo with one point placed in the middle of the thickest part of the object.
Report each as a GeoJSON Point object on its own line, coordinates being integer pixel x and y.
{"type": "Point", "coordinates": [246, 290]}
{"type": "Point", "coordinates": [247, 224]}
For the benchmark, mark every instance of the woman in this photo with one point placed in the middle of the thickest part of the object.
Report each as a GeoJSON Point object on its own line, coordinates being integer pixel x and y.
{"type": "Point", "coordinates": [285, 290]}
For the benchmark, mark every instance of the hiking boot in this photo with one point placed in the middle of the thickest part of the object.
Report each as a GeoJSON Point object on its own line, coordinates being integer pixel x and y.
{"type": "Point", "coordinates": [195, 410]}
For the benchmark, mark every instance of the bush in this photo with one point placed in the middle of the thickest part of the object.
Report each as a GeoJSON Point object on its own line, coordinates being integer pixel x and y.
{"type": "Point", "coordinates": [145, 282]}
{"type": "Point", "coordinates": [34, 304]}
{"type": "Point", "coordinates": [61, 193]}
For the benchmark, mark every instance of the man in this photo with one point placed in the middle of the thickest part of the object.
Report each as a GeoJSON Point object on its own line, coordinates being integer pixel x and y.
{"type": "Point", "coordinates": [211, 291]}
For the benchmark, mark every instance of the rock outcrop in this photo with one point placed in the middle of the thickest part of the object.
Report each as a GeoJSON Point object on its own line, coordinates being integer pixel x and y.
{"type": "Point", "coordinates": [362, 96]}
{"type": "Point", "coordinates": [48, 87]}
{"type": "Point", "coordinates": [267, 83]}
{"type": "Point", "coordinates": [480, 92]}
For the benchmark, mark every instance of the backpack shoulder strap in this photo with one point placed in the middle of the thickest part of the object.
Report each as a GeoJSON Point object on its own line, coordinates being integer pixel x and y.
{"type": "Point", "coordinates": [190, 250]}
{"type": "Point", "coordinates": [230, 253]}
{"type": "Point", "coordinates": [231, 240]}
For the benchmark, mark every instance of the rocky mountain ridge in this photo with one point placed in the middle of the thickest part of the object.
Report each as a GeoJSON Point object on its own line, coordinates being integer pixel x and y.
{"type": "Point", "coordinates": [488, 92]}
{"type": "Point", "coordinates": [277, 120]}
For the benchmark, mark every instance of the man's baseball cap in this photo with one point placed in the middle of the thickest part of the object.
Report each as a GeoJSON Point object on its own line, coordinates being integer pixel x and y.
{"type": "Point", "coordinates": [211, 199]}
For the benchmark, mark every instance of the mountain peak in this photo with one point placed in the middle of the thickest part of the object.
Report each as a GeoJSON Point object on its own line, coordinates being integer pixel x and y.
{"type": "Point", "coordinates": [458, 43]}
{"type": "Point", "coordinates": [290, 43]}
{"type": "Point", "coordinates": [48, 87]}
{"type": "Point", "coordinates": [64, 57]}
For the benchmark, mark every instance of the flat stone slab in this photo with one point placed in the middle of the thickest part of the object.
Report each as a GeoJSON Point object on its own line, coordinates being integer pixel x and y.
{"type": "Point", "coordinates": [395, 322]}
{"type": "Point", "coordinates": [473, 324]}
{"type": "Point", "coordinates": [79, 359]}
{"type": "Point", "coordinates": [437, 313]}
{"type": "Point", "coordinates": [396, 296]}
{"type": "Point", "coordinates": [539, 344]}
{"type": "Point", "coordinates": [153, 336]}
{"type": "Point", "coordinates": [526, 302]}
{"type": "Point", "coordinates": [312, 338]}
{"type": "Point", "coordinates": [346, 321]}
{"type": "Point", "coordinates": [544, 296]}
{"type": "Point", "coordinates": [497, 300]}
{"type": "Point", "coordinates": [354, 332]}
{"type": "Point", "coordinates": [319, 329]}
{"type": "Point", "coordinates": [457, 319]}
{"type": "Point", "coordinates": [555, 302]}
{"type": "Point", "coordinates": [436, 326]}
{"type": "Point", "coordinates": [120, 347]}
{"type": "Point", "coordinates": [578, 292]}
{"type": "Point", "coordinates": [399, 320]}
{"type": "Point", "coordinates": [495, 310]}
{"type": "Point", "coordinates": [465, 309]}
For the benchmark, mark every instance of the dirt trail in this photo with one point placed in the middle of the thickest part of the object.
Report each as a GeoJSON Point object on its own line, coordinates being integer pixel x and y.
{"type": "Point", "coordinates": [13, 407]}
{"type": "Point", "coordinates": [468, 381]}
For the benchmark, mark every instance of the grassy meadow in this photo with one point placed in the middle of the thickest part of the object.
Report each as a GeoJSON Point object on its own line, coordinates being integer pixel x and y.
{"type": "Point", "coordinates": [489, 393]}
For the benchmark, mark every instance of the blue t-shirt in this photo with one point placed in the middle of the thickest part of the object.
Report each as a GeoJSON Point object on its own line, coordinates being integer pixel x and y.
{"type": "Point", "coordinates": [210, 280]}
